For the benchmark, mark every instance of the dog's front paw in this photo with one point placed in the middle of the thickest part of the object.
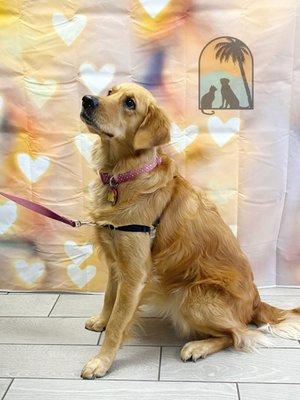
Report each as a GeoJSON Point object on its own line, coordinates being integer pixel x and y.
{"type": "Point", "coordinates": [95, 368]}
{"type": "Point", "coordinates": [96, 324]}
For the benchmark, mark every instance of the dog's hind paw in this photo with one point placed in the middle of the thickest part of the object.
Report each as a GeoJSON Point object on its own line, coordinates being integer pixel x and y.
{"type": "Point", "coordinates": [194, 350]}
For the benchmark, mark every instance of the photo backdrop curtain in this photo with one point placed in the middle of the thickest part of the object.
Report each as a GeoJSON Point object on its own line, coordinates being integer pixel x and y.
{"type": "Point", "coordinates": [246, 160]}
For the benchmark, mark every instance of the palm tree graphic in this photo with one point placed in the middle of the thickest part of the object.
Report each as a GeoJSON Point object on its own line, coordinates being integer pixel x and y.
{"type": "Point", "coordinates": [236, 50]}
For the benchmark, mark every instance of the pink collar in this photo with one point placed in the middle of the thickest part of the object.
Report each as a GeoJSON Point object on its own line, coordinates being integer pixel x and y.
{"type": "Point", "coordinates": [115, 180]}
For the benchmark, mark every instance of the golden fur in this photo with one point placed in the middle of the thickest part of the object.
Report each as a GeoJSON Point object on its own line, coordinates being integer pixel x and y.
{"type": "Point", "coordinates": [195, 272]}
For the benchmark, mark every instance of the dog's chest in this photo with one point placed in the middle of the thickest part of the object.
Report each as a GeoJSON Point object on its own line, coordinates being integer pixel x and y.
{"type": "Point", "coordinates": [101, 195]}
{"type": "Point", "coordinates": [168, 305]}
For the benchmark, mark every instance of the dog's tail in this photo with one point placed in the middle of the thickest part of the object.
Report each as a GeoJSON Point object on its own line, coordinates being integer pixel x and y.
{"type": "Point", "coordinates": [273, 320]}
{"type": "Point", "coordinates": [249, 339]}
{"type": "Point", "coordinates": [207, 113]}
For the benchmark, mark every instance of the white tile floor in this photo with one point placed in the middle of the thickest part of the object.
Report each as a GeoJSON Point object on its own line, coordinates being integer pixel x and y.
{"type": "Point", "coordinates": [43, 346]}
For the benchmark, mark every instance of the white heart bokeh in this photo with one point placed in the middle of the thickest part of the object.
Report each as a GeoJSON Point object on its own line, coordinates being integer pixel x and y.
{"type": "Point", "coordinates": [182, 138]}
{"type": "Point", "coordinates": [84, 144]}
{"type": "Point", "coordinates": [221, 196]}
{"type": "Point", "coordinates": [1, 105]}
{"type": "Point", "coordinates": [32, 168]}
{"type": "Point", "coordinates": [154, 7]}
{"type": "Point", "coordinates": [223, 132]}
{"type": "Point", "coordinates": [29, 273]}
{"type": "Point", "coordinates": [68, 29]}
{"type": "Point", "coordinates": [81, 276]}
{"type": "Point", "coordinates": [8, 215]}
{"type": "Point", "coordinates": [40, 91]}
{"type": "Point", "coordinates": [96, 80]}
{"type": "Point", "coordinates": [233, 229]}
{"type": "Point", "coordinates": [78, 253]}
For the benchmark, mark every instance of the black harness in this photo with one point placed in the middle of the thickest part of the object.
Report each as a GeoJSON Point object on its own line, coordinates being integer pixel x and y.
{"type": "Point", "coordinates": [135, 228]}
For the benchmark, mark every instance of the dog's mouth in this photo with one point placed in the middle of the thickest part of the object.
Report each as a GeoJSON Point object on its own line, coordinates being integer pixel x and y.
{"type": "Point", "coordinates": [87, 119]}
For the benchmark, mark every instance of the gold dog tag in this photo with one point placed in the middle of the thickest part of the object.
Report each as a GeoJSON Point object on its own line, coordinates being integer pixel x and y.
{"type": "Point", "coordinates": [112, 196]}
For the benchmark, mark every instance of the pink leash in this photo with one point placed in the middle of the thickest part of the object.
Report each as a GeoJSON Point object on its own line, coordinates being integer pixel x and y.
{"type": "Point", "coordinates": [38, 208]}
{"type": "Point", "coordinates": [107, 179]}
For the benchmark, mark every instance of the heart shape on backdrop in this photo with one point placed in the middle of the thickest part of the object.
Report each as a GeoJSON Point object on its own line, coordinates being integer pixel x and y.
{"type": "Point", "coordinates": [233, 229]}
{"type": "Point", "coordinates": [221, 196]}
{"type": "Point", "coordinates": [40, 91]}
{"type": "Point", "coordinates": [222, 132]}
{"type": "Point", "coordinates": [1, 114]}
{"type": "Point", "coordinates": [84, 144]}
{"type": "Point", "coordinates": [29, 273]}
{"type": "Point", "coordinates": [68, 29]}
{"type": "Point", "coordinates": [32, 168]}
{"type": "Point", "coordinates": [96, 80]}
{"type": "Point", "coordinates": [80, 277]}
{"type": "Point", "coordinates": [182, 138]}
{"type": "Point", "coordinates": [8, 215]}
{"type": "Point", "coordinates": [154, 7]}
{"type": "Point", "coordinates": [78, 253]}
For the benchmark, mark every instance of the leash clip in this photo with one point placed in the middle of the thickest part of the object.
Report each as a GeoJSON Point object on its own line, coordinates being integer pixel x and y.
{"type": "Point", "coordinates": [112, 182]}
{"type": "Point", "coordinates": [78, 223]}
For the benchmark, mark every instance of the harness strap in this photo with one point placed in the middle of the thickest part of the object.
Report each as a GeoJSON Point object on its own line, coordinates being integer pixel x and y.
{"type": "Point", "coordinates": [129, 228]}
{"type": "Point", "coordinates": [134, 227]}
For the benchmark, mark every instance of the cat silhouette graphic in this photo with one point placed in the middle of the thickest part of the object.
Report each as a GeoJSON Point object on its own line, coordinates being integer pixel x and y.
{"type": "Point", "coordinates": [207, 100]}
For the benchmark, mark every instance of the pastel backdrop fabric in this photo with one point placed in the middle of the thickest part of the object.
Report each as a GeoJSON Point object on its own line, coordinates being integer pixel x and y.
{"type": "Point", "coordinates": [247, 161]}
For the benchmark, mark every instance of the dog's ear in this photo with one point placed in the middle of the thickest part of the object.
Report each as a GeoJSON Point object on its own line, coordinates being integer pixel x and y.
{"type": "Point", "coordinates": [154, 130]}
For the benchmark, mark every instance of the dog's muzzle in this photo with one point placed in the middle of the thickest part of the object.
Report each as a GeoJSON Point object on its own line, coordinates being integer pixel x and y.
{"type": "Point", "coordinates": [89, 104]}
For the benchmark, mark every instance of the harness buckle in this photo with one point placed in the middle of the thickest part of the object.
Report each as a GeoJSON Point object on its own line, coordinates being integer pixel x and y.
{"type": "Point", "coordinates": [152, 232]}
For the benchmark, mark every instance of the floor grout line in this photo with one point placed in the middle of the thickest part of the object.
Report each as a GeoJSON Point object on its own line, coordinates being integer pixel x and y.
{"type": "Point", "coordinates": [98, 342]}
{"type": "Point", "coordinates": [238, 391]}
{"type": "Point", "coordinates": [6, 391]}
{"type": "Point", "coordinates": [40, 316]}
{"type": "Point", "coordinates": [53, 344]}
{"type": "Point", "coordinates": [62, 316]}
{"type": "Point", "coordinates": [54, 292]}
{"type": "Point", "coordinates": [123, 345]}
{"type": "Point", "coordinates": [53, 305]}
{"type": "Point", "coordinates": [159, 364]}
{"type": "Point", "coordinates": [234, 382]}
{"type": "Point", "coordinates": [149, 380]}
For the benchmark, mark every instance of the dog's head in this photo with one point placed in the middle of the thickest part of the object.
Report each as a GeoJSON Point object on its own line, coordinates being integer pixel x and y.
{"type": "Point", "coordinates": [128, 113]}
{"type": "Point", "coordinates": [224, 81]}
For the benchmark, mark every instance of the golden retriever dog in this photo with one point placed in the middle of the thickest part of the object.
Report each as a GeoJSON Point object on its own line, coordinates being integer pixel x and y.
{"type": "Point", "coordinates": [193, 271]}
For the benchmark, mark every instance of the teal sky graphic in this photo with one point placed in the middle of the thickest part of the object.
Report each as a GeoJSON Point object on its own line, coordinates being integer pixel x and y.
{"type": "Point", "coordinates": [236, 84]}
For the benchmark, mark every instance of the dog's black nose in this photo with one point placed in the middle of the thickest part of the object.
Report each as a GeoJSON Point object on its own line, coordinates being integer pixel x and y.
{"type": "Point", "coordinates": [90, 102]}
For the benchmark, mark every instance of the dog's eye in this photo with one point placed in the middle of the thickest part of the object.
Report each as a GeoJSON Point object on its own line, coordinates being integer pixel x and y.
{"type": "Point", "coordinates": [109, 92]}
{"type": "Point", "coordinates": [129, 103]}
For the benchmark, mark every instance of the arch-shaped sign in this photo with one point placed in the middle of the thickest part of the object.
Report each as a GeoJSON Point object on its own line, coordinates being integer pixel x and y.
{"type": "Point", "coordinates": [225, 75]}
